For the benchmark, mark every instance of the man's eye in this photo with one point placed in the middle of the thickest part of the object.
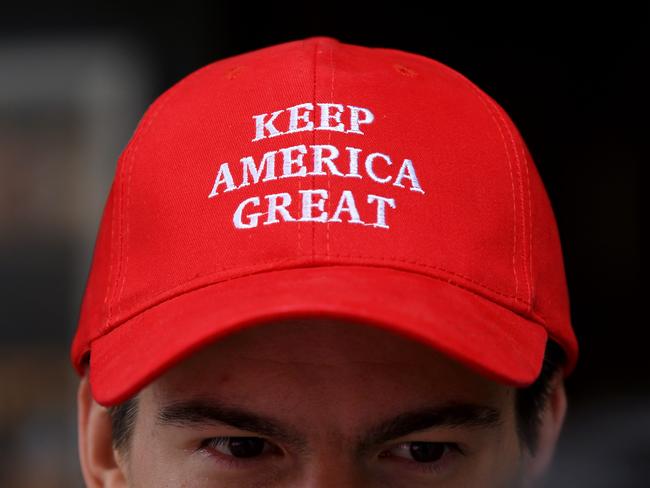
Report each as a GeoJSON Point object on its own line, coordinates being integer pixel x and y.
{"type": "Point", "coordinates": [237, 447]}
{"type": "Point", "coordinates": [429, 456]}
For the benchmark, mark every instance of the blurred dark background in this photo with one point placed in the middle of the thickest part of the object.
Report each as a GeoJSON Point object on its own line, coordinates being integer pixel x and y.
{"type": "Point", "coordinates": [76, 77]}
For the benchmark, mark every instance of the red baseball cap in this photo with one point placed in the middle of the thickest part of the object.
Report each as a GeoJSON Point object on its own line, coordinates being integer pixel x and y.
{"type": "Point", "coordinates": [320, 178]}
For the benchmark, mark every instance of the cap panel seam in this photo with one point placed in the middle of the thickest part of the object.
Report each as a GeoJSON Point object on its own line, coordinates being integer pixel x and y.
{"type": "Point", "coordinates": [501, 122]}
{"type": "Point", "coordinates": [524, 224]}
{"type": "Point", "coordinates": [313, 141]}
{"type": "Point", "coordinates": [118, 203]}
{"type": "Point", "coordinates": [111, 245]}
{"type": "Point", "coordinates": [512, 182]}
{"type": "Point", "coordinates": [489, 106]}
{"type": "Point", "coordinates": [160, 103]}
{"type": "Point", "coordinates": [124, 206]}
{"type": "Point", "coordinates": [531, 289]}
{"type": "Point", "coordinates": [522, 197]}
{"type": "Point", "coordinates": [329, 141]}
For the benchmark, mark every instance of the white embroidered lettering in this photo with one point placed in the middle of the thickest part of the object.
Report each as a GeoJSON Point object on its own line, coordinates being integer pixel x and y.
{"type": "Point", "coordinates": [252, 217]}
{"type": "Point", "coordinates": [323, 160]}
{"type": "Point", "coordinates": [325, 117]}
{"type": "Point", "coordinates": [347, 204]}
{"type": "Point", "coordinates": [248, 165]}
{"type": "Point", "coordinates": [319, 159]}
{"type": "Point", "coordinates": [307, 205]}
{"type": "Point", "coordinates": [369, 159]}
{"type": "Point", "coordinates": [367, 118]}
{"type": "Point", "coordinates": [266, 126]}
{"type": "Point", "coordinates": [260, 125]}
{"type": "Point", "coordinates": [294, 117]}
{"type": "Point", "coordinates": [274, 208]}
{"type": "Point", "coordinates": [288, 161]}
{"type": "Point", "coordinates": [381, 209]}
{"type": "Point", "coordinates": [223, 176]}
{"type": "Point", "coordinates": [354, 161]}
{"type": "Point", "coordinates": [408, 165]}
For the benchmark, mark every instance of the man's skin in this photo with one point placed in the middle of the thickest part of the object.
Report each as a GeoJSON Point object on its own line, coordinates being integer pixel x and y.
{"type": "Point", "coordinates": [327, 383]}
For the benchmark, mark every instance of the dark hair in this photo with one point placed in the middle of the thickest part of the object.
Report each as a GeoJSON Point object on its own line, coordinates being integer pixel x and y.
{"type": "Point", "coordinates": [530, 402]}
{"type": "Point", "coordinates": [122, 423]}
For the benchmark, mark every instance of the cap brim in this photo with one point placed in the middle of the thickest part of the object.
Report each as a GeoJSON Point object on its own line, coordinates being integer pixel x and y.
{"type": "Point", "coordinates": [486, 337]}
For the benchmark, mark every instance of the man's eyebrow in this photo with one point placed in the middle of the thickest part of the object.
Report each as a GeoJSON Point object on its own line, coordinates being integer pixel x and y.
{"type": "Point", "coordinates": [201, 412]}
{"type": "Point", "coordinates": [448, 414]}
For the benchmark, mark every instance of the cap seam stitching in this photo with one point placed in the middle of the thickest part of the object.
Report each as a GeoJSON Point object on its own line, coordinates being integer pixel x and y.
{"type": "Point", "coordinates": [489, 103]}
{"type": "Point", "coordinates": [539, 318]}
{"type": "Point", "coordinates": [512, 183]}
{"type": "Point", "coordinates": [329, 142]}
{"type": "Point", "coordinates": [530, 224]}
{"type": "Point", "coordinates": [124, 205]}
{"type": "Point", "coordinates": [518, 195]}
{"type": "Point", "coordinates": [524, 223]}
{"type": "Point", "coordinates": [109, 299]}
{"type": "Point", "coordinates": [313, 139]}
{"type": "Point", "coordinates": [111, 245]}
{"type": "Point", "coordinates": [118, 203]}
{"type": "Point", "coordinates": [294, 258]}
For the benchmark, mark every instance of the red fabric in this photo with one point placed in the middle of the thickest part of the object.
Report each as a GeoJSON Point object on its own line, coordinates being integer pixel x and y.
{"type": "Point", "coordinates": [466, 254]}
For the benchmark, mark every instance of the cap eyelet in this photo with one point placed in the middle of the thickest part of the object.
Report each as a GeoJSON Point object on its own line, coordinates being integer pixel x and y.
{"type": "Point", "coordinates": [403, 70]}
{"type": "Point", "coordinates": [233, 72]}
